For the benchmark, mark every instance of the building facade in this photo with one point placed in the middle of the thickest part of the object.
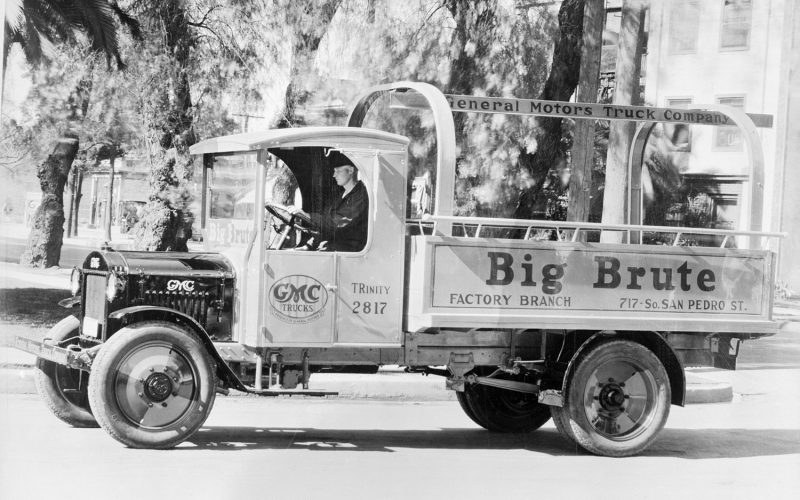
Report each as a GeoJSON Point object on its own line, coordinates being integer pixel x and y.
{"type": "Point", "coordinates": [740, 53]}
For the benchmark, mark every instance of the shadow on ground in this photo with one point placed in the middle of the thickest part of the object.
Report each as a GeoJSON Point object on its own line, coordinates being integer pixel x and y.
{"type": "Point", "coordinates": [36, 307]}
{"type": "Point", "coordinates": [678, 443]}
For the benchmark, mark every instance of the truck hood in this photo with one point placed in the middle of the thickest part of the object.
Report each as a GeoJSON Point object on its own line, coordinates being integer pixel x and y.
{"type": "Point", "coordinates": [161, 263]}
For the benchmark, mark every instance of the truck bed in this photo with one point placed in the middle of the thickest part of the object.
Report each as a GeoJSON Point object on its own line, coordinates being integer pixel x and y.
{"type": "Point", "coordinates": [468, 282]}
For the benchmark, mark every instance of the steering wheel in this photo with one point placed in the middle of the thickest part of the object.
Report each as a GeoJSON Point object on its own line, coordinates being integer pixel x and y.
{"type": "Point", "coordinates": [291, 221]}
{"type": "Point", "coordinates": [296, 220]}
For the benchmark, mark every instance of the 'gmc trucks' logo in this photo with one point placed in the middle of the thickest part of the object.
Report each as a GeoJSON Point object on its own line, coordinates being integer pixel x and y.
{"type": "Point", "coordinates": [180, 286]}
{"type": "Point", "coordinates": [297, 299]}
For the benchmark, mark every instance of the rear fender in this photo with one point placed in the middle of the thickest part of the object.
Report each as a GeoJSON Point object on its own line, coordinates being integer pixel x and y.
{"type": "Point", "coordinates": [136, 314]}
{"type": "Point", "coordinates": [651, 340]}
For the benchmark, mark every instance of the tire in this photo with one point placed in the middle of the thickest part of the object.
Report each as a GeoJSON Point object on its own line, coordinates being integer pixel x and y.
{"type": "Point", "coordinates": [64, 390]}
{"type": "Point", "coordinates": [618, 399]}
{"type": "Point", "coordinates": [153, 385]}
{"type": "Point", "coordinates": [501, 410]}
{"type": "Point", "coordinates": [561, 419]}
{"type": "Point", "coordinates": [464, 403]}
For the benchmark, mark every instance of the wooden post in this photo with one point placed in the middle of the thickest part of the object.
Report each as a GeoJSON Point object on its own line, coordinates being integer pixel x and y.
{"type": "Point", "coordinates": [110, 200]}
{"type": "Point", "coordinates": [71, 207]}
{"type": "Point", "coordinates": [627, 74]}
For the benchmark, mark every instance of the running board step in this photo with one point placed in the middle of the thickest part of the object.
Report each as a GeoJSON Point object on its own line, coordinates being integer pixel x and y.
{"type": "Point", "coordinates": [291, 392]}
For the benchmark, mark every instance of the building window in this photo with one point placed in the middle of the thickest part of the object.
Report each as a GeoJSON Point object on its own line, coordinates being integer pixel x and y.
{"type": "Point", "coordinates": [729, 138]}
{"type": "Point", "coordinates": [737, 15]}
{"type": "Point", "coordinates": [684, 21]}
{"type": "Point", "coordinates": [680, 134]}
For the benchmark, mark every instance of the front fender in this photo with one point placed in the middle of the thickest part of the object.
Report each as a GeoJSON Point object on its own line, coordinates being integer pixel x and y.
{"type": "Point", "coordinates": [135, 314]}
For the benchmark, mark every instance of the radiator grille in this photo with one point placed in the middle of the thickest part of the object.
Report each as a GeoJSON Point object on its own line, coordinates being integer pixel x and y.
{"type": "Point", "coordinates": [95, 297]}
{"type": "Point", "coordinates": [194, 304]}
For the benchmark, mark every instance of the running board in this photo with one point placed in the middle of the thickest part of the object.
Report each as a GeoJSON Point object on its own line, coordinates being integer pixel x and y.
{"type": "Point", "coordinates": [291, 392]}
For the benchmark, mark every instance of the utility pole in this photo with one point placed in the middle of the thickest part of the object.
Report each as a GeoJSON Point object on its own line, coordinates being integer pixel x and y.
{"type": "Point", "coordinates": [627, 75]}
{"type": "Point", "coordinates": [580, 183]}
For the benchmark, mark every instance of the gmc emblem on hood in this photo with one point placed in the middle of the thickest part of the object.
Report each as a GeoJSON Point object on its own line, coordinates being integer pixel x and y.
{"type": "Point", "coordinates": [180, 286]}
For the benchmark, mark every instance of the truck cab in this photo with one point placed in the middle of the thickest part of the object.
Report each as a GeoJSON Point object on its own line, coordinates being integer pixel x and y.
{"type": "Point", "coordinates": [293, 293]}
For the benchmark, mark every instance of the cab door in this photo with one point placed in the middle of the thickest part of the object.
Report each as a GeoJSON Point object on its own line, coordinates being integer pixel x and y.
{"type": "Point", "coordinates": [299, 303]}
{"type": "Point", "coordinates": [369, 293]}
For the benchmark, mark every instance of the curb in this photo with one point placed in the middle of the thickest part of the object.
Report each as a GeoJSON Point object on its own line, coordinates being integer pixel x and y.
{"type": "Point", "coordinates": [700, 390]}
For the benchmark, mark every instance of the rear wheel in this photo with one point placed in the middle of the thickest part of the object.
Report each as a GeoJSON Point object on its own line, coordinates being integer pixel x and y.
{"type": "Point", "coordinates": [153, 385]}
{"type": "Point", "coordinates": [63, 389]}
{"type": "Point", "coordinates": [618, 399]}
{"type": "Point", "coordinates": [501, 410]}
{"type": "Point", "coordinates": [463, 401]}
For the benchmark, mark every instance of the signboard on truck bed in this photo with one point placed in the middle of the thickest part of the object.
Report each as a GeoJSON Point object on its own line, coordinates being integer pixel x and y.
{"type": "Point", "coordinates": [620, 286]}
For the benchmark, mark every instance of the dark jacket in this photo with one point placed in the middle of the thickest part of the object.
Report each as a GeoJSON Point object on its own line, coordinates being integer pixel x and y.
{"type": "Point", "coordinates": [344, 225]}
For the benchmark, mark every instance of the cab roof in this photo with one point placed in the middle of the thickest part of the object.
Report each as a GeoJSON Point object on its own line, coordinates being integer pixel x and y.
{"type": "Point", "coordinates": [336, 137]}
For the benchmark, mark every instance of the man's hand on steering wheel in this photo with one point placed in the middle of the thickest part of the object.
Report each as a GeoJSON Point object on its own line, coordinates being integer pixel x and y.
{"type": "Point", "coordinates": [292, 217]}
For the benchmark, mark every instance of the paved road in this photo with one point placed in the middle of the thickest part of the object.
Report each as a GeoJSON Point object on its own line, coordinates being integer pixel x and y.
{"type": "Point", "coordinates": [779, 351]}
{"type": "Point", "coordinates": [290, 448]}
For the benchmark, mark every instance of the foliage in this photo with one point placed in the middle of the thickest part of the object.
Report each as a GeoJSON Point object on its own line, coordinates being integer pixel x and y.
{"type": "Point", "coordinates": [38, 24]}
{"type": "Point", "coordinates": [478, 48]}
{"type": "Point", "coordinates": [205, 67]}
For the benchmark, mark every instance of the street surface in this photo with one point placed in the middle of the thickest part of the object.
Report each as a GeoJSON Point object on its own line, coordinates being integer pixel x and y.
{"type": "Point", "coordinates": [294, 448]}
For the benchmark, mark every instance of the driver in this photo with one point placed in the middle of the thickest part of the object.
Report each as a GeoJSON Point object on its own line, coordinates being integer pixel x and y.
{"type": "Point", "coordinates": [344, 224]}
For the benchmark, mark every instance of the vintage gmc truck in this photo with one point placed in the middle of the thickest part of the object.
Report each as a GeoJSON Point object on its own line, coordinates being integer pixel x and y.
{"type": "Point", "coordinates": [589, 326]}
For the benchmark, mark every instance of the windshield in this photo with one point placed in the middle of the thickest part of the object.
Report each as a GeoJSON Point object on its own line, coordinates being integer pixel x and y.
{"type": "Point", "coordinates": [231, 199]}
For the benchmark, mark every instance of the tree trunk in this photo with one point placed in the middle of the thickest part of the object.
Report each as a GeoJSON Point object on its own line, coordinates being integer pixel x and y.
{"type": "Point", "coordinates": [296, 96]}
{"type": "Point", "coordinates": [627, 72]}
{"type": "Point", "coordinates": [304, 50]}
{"type": "Point", "coordinates": [580, 182]}
{"type": "Point", "coordinates": [560, 85]}
{"type": "Point", "coordinates": [167, 221]}
{"type": "Point", "coordinates": [475, 23]}
{"type": "Point", "coordinates": [77, 201]}
{"type": "Point", "coordinates": [47, 233]}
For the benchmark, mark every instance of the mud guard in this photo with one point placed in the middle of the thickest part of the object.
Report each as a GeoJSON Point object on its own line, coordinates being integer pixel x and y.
{"type": "Point", "coordinates": [138, 313]}
{"type": "Point", "coordinates": [653, 341]}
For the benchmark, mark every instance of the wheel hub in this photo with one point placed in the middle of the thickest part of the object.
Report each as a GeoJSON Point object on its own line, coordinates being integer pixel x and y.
{"type": "Point", "coordinates": [612, 397]}
{"type": "Point", "coordinates": [158, 387]}
{"type": "Point", "coordinates": [155, 385]}
{"type": "Point", "coordinates": [618, 399]}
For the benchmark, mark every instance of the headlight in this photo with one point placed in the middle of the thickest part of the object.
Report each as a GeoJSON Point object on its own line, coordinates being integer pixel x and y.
{"type": "Point", "coordinates": [116, 284]}
{"type": "Point", "coordinates": [75, 281]}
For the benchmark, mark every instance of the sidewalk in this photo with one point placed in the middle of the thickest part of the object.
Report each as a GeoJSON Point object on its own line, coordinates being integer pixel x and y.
{"type": "Point", "coordinates": [91, 238]}
{"type": "Point", "coordinates": [87, 237]}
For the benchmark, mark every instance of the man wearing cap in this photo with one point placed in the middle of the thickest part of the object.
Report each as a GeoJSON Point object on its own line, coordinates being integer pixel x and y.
{"type": "Point", "coordinates": [344, 224]}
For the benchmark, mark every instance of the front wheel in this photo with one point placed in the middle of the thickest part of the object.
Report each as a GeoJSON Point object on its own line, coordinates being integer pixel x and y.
{"type": "Point", "coordinates": [618, 399]}
{"type": "Point", "coordinates": [153, 385]}
{"type": "Point", "coordinates": [64, 389]}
